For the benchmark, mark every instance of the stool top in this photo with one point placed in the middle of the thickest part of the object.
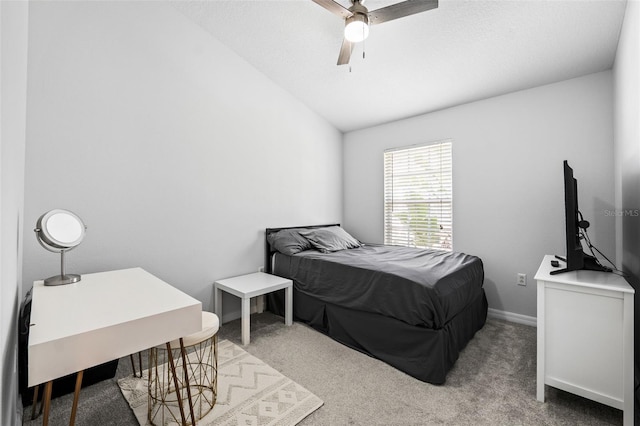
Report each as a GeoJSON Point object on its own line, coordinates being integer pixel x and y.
{"type": "Point", "coordinates": [210, 326]}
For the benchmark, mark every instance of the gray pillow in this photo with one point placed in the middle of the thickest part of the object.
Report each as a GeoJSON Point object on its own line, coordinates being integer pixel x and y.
{"type": "Point", "coordinates": [330, 239]}
{"type": "Point", "coordinates": [289, 241]}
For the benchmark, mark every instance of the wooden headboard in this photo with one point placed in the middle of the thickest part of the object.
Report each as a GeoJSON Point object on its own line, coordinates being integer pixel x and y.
{"type": "Point", "coordinates": [268, 252]}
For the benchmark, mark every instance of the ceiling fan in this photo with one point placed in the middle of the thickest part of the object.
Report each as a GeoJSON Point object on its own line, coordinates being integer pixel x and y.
{"type": "Point", "coordinates": [357, 19]}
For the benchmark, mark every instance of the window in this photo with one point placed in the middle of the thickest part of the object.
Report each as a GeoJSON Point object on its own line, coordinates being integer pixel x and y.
{"type": "Point", "coordinates": [418, 196]}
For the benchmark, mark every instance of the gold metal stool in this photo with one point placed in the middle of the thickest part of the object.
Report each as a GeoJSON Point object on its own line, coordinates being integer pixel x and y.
{"type": "Point", "coordinates": [170, 399]}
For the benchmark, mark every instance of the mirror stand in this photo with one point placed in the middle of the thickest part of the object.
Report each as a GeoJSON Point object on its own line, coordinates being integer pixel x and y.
{"type": "Point", "coordinates": [62, 278]}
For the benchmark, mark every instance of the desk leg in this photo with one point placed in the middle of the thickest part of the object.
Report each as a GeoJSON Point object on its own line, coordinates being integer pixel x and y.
{"type": "Point", "coordinates": [133, 364]}
{"type": "Point", "coordinates": [172, 364]}
{"type": "Point", "coordinates": [34, 405]}
{"type": "Point", "coordinates": [183, 351]}
{"type": "Point", "coordinates": [288, 314]}
{"type": "Point", "coordinates": [76, 395]}
{"type": "Point", "coordinates": [246, 318]}
{"type": "Point", "coordinates": [46, 401]}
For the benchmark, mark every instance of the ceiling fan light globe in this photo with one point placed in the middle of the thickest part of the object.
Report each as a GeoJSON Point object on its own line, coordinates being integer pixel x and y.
{"type": "Point", "coordinates": [356, 28]}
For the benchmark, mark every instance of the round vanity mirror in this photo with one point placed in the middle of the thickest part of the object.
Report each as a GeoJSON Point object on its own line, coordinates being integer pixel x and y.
{"type": "Point", "coordinates": [60, 231]}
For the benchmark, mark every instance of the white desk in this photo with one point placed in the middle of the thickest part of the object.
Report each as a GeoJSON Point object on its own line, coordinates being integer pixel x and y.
{"type": "Point", "coordinates": [585, 336]}
{"type": "Point", "coordinates": [103, 317]}
{"type": "Point", "coordinates": [247, 286]}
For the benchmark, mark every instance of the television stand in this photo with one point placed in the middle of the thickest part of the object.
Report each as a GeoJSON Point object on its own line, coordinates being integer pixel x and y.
{"type": "Point", "coordinates": [585, 336]}
{"type": "Point", "coordinates": [590, 263]}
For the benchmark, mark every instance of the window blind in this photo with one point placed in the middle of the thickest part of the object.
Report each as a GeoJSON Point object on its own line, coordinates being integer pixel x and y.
{"type": "Point", "coordinates": [418, 196]}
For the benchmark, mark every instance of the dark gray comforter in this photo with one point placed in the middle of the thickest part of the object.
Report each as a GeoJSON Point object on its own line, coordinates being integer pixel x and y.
{"type": "Point", "coordinates": [420, 287]}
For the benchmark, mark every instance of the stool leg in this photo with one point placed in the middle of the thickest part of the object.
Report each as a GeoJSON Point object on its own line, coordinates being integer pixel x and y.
{"type": "Point", "coordinates": [176, 384]}
{"type": "Point", "coordinates": [214, 363]}
{"type": "Point", "coordinates": [186, 380]}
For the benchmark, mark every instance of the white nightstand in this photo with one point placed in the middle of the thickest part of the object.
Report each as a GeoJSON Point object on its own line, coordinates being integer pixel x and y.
{"type": "Point", "coordinates": [247, 286]}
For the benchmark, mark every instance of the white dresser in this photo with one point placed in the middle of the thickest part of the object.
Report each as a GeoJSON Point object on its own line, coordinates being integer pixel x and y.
{"type": "Point", "coordinates": [585, 335]}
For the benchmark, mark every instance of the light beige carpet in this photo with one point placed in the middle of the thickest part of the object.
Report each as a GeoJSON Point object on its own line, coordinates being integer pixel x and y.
{"type": "Point", "coordinates": [250, 392]}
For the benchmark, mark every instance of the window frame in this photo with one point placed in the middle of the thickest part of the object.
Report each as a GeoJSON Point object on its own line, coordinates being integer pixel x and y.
{"type": "Point", "coordinates": [435, 198]}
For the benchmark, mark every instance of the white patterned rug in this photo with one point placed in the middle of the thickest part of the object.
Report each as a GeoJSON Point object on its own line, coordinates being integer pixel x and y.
{"type": "Point", "coordinates": [249, 393]}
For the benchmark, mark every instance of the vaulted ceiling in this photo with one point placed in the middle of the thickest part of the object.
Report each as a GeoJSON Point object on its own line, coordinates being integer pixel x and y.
{"type": "Point", "coordinates": [461, 52]}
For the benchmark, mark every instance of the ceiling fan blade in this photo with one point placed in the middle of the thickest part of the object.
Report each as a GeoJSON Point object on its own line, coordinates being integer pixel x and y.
{"type": "Point", "coordinates": [345, 52]}
{"type": "Point", "coordinates": [400, 10]}
{"type": "Point", "coordinates": [334, 8]}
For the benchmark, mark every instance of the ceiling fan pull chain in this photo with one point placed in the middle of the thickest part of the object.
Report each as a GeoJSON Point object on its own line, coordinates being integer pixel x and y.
{"type": "Point", "coordinates": [363, 41]}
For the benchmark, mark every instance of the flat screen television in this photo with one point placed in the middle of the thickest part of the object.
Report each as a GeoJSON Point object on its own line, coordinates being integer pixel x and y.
{"type": "Point", "coordinates": [576, 258]}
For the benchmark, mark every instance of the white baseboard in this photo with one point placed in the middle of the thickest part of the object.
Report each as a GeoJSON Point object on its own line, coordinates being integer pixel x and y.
{"type": "Point", "coordinates": [513, 317]}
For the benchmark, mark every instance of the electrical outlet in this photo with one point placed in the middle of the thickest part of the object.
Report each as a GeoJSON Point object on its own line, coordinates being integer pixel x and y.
{"type": "Point", "coordinates": [522, 279]}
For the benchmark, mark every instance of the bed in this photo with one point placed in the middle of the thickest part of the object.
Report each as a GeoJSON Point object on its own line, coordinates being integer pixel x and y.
{"type": "Point", "coordinates": [414, 309]}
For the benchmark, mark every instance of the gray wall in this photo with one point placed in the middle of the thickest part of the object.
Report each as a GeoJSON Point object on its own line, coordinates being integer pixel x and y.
{"type": "Point", "coordinates": [507, 177]}
{"type": "Point", "coordinates": [627, 155]}
{"type": "Point", "coordinates": [174, 151]}
{"type": "Point", "coordinates": [13, 86]}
